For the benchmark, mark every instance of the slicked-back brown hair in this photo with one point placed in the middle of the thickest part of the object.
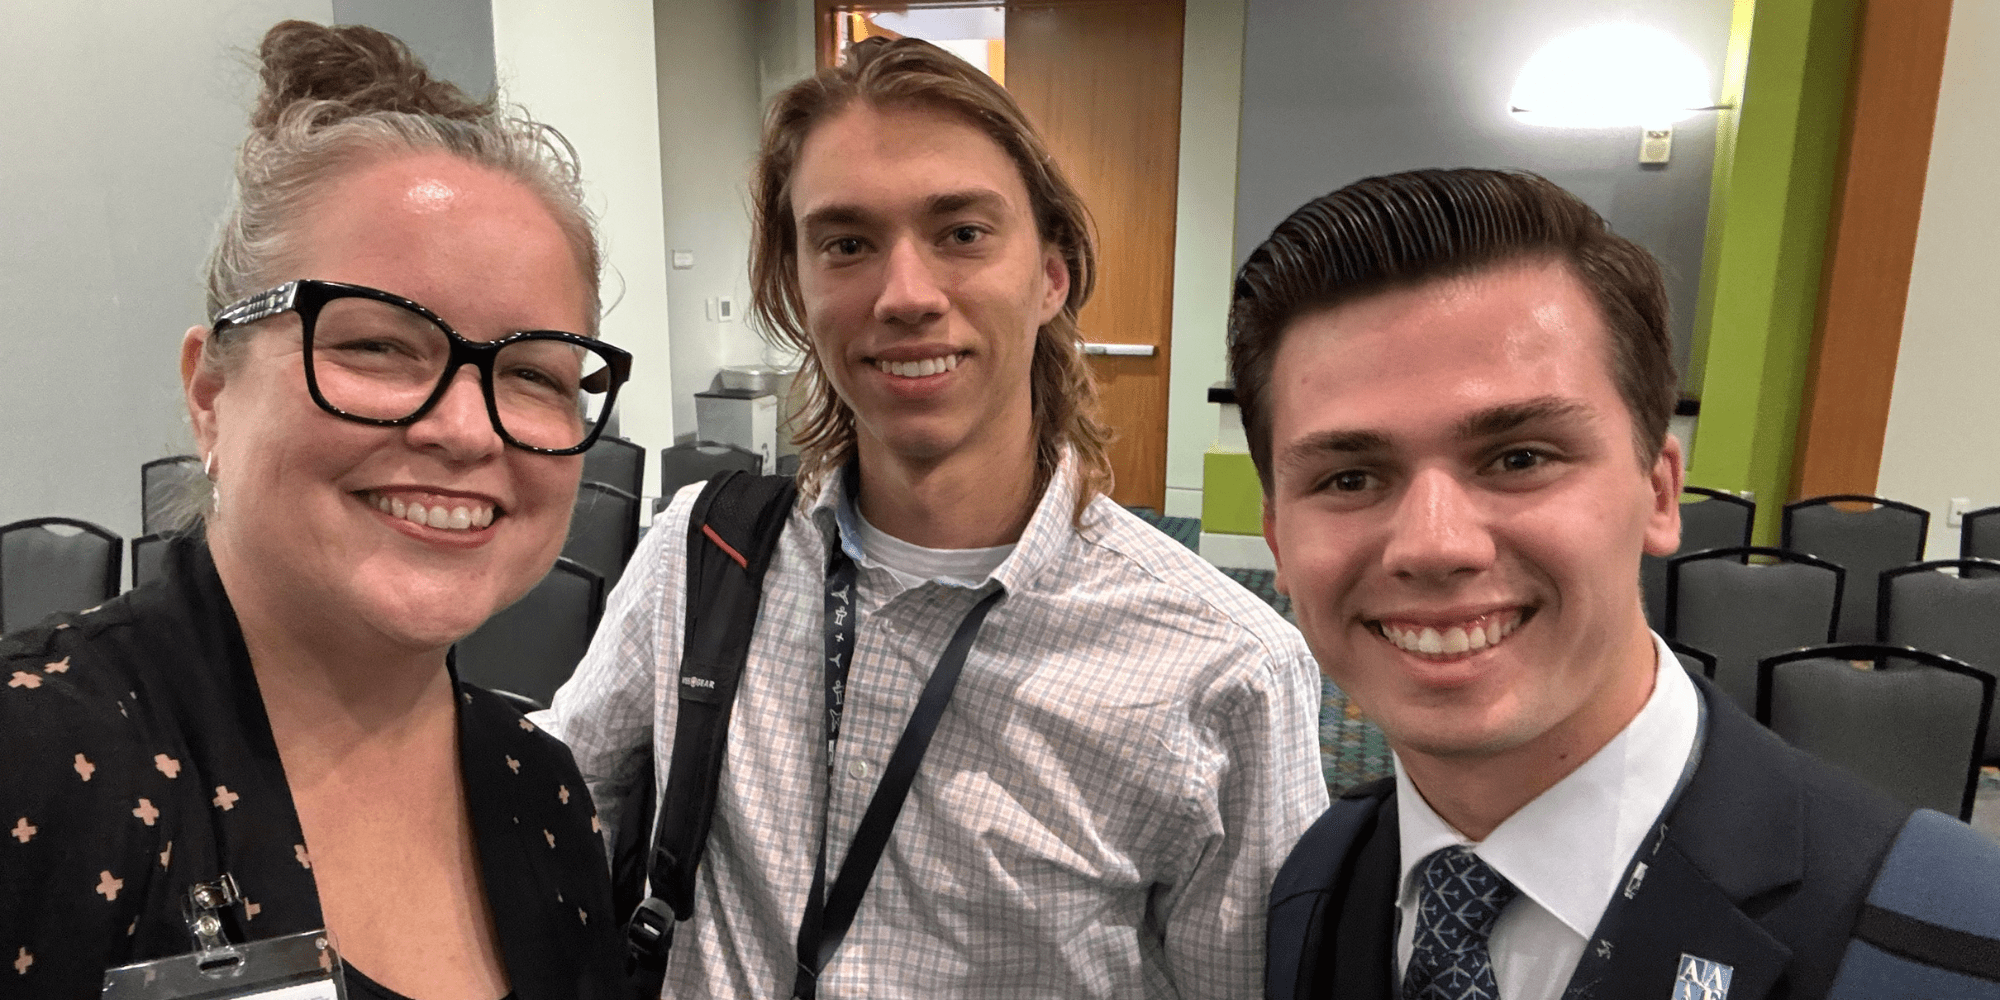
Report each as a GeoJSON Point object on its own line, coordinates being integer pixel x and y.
{"type": "Point", "coordinates": [1408, 229]}
{"type": "Point", "coordinates": [903, 73]}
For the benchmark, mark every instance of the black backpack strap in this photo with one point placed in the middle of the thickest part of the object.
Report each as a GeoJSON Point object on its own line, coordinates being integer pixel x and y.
{"type": "Point", "coordinates": [732, 532]}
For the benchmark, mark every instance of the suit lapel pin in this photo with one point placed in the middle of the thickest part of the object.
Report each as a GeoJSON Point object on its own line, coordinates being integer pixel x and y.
{"type": "Point", "coordinates": [1638, 876]}
{"type": "Point", "coordinates": [1702, 979]}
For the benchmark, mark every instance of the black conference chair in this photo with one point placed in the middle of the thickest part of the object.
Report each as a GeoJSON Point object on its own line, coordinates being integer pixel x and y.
{"type": "Point", "coordinates": [147, 553]}
{"type": "Point", "coordinates": [51, 564]}
{"type": "Point", "coordinates": [1740, 612]}
{"type": "Point", "coordinates": [1912, 726]}
{"type": "Point", "coordinates": [1697, 661]}
{"type": "Point", "coordinates": [163, 483]}
{"type": "Point", "coordinates": [532, 646]}
{"type": "Point", "coordinates": [603, 530]}
{"type": "Point", "coordinates": [614, 461]}
{"type": "Point", "coordinates": [1979, 534]}
{"type": "Point", "coordinates": [1864, 542]}
{"type": "Point", "coordinates": [1717, 520]}
{"type": "Point", "coordinates": [695, 462]}
{"type": "Point", "coordinates": [1959, 616]}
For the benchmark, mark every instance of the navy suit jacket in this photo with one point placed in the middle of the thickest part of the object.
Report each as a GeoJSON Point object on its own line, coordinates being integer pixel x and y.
{"type": "Point", "coordinates": [1768, 857]}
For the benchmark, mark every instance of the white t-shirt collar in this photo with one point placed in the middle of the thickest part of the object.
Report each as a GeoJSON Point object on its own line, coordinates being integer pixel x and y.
{"type": "Point", "coordinates": [913, 565]}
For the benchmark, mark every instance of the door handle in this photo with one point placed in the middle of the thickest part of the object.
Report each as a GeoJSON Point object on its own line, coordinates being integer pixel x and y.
{"type": "Point", "coordinates": [1120, 350]}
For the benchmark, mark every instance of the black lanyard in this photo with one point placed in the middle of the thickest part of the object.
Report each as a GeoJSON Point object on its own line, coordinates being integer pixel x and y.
{"type": "Point", "coordinates": [1600, 948]}
{"type": "Point", "coordinates": [829, 914]}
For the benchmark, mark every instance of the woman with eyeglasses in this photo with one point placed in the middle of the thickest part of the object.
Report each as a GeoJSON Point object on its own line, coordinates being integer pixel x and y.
{"type": "Point", "coordinates": [390, 399]}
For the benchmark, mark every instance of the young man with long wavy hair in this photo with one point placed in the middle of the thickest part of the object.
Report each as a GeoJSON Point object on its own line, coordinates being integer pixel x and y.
{"type": "Point", "coordinates": [1131, 746]}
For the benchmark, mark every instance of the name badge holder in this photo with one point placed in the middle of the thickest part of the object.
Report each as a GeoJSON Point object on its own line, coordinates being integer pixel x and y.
{"type": "Point", "coordinates": [295, 967]}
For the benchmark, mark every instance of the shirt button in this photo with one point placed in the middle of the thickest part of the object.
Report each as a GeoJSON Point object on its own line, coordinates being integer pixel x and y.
{"type": "Point", "coordinates": [857, 769]}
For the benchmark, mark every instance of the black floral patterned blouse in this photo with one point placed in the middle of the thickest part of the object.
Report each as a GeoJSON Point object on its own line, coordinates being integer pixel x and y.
{"type": "Point", "coordinates": [136, 760]}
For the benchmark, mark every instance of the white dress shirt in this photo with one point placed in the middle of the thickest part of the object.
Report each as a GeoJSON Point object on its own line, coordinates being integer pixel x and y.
{"type": "Point", "coordinates": [1567, 849]}
{"type": "Point", "coordinates": [1129, 756]}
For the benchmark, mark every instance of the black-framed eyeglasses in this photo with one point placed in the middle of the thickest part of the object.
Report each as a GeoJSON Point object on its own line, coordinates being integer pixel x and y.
{"type": "Point", "coordinates": [381, 359]}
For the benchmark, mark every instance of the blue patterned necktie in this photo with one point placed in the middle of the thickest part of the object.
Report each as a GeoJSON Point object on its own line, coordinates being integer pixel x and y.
{"type": "Point", "coordinates": [1458, 902]}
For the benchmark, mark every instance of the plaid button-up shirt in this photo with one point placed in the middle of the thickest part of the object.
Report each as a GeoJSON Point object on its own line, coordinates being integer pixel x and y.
{"type": "Point", "coordinates": [1129, 755]}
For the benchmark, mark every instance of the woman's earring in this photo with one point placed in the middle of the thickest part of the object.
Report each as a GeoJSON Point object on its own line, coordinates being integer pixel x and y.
{"type": "Point", "coordinates": [214, 492]}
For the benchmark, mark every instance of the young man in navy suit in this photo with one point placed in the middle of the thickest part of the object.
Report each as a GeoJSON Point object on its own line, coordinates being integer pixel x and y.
{"type": "Point", "coordinates": [1456, 387]}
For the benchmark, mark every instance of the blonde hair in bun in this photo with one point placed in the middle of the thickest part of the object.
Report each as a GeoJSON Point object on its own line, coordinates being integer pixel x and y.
{"type": "Point", "coordinates": [338, 98]}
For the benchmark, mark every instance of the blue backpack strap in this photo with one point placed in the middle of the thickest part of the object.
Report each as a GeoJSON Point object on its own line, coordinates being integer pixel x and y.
{"type": "Point", "coordinates": [1931, 924]}
{"type": "Point", "coordinates": [1310, 883]}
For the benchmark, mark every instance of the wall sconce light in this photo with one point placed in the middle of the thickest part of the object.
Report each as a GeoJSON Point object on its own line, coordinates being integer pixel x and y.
{"type": "Point", "coordinates": [1614, 76]}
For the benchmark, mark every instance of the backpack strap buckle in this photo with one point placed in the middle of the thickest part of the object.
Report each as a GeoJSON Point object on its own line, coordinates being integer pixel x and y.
{"type": "Point", "coordinates": [649, 935]}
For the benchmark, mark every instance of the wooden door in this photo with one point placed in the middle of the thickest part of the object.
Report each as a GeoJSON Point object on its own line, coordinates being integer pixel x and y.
{"type": "Point", "coordinates": [1101, 80]}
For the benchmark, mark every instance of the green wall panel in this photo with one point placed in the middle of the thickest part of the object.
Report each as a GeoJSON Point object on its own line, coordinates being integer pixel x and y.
{"type": "Point", "coordinates": [1776, 166]}
{"type": "Point", "coordinates": [1232, 501]}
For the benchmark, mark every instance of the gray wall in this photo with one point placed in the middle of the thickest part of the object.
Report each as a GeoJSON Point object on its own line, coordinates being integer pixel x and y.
{"type": "Point", "coordinates": [453, 37]}
{"type": "Point", "coordinates": [786, 46]}
{"type": "Point", "coordinates": [710, 110]}
{"type": "Point", "coordinates": [121, 122]}
{"type": "Point", "coordinates": [1334, 92]}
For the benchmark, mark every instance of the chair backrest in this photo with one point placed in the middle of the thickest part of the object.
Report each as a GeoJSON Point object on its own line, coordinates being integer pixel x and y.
{"type": "Point", "coordinates": [1979, 534]}
{"type": "Point", "coordinates": [1865, 542]}
{"type": "Point", "coordinates": [532, 646]}
{"type": "Point", "coordinates": [162, 482]}
{"type": "Point", "coordinates": [1696, 661]}
{"type": "Point", "coordinates": [148, 551]}
{"type": "Point", "coordinates": [603, 530]}
{"type": "Point", "coordinates": [615, 461]}
{"type": "Point", "coordinates": [1719, 520]}
{"type": "Point", "coordinates": [695, 462]}
{"type": "Point", "coordinates": [51, 564]}
{"type": "Point", "coordinates": [1911, 726]}
{"type": "Point", "coordinates": [1922, 606]}
{"type": "Point", "coordinates": [1741, 612]}
{"type": "Point", "coordinates": [1715, 520]}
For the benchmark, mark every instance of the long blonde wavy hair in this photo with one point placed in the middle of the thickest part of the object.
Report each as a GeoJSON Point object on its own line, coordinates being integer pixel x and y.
{"type": "Point", "coordinates": [906, 72]}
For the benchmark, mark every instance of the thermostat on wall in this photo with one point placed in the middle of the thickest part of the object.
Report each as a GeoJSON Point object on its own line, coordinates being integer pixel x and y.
{"type": "Point", "coordinates": [1655, 144]}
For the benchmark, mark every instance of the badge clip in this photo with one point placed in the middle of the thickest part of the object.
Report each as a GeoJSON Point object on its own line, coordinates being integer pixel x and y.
{"type": "Point", "coordinates": [202, 910]}
{"type": "Point", "coordinates": [302, 966]}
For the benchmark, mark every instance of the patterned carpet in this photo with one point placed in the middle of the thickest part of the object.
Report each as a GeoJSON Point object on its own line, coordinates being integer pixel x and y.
{"type": "Point", "coordinates": [1351, 751]}
{"type": "Point", "coordinates": [1185, 530]}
